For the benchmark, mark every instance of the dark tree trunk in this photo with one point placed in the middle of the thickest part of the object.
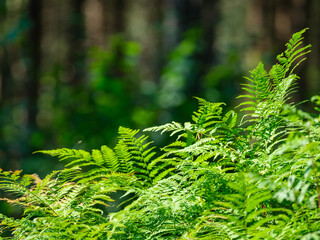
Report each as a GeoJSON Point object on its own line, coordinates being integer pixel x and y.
{"type": "Point", "coordinates": [200, 14]}
{"type": "Point", "coordinates": [76, 37]}
{"type": "Point", "coordinates": [119, 15]}
{"type": "Point", "coordinates": [268, 9]}
{"type": "Point", "coordinates": [34, 60]}
{"type": "Point", "coordinates": [113, 17]}
{"type": "Point", "coordinates": [5, 71]}
{"type": "Point", "coordinates": [188, 15]}
{"type": "Point", "coordinates": [209, 13]}
{"type": "Point", "coordinates": [6, 79]}
{"type": "Point", "coordinates": [299, 22]}
{"type": "Point", "coordinates": [313, 21]}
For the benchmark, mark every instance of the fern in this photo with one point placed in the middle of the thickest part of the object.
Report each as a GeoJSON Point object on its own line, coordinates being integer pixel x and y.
{"type": "Point", "coordinates": [54, 205]}
{"type": "Point", "coordinates": [131, 155]}
{"type": "Point", "coordinates": [218, 179]}
{"type": "Point", "coordinates": [205, 120]}
{"type": "Point", "coordinates": [269, 91]}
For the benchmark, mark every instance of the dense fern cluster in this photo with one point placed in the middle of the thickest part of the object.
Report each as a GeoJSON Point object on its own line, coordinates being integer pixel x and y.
{"type": "Point", "coordinates": [220, 178]}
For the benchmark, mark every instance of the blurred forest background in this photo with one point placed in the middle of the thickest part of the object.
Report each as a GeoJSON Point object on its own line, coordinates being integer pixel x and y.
{"type": "Point", "coordinates": [73, 71]}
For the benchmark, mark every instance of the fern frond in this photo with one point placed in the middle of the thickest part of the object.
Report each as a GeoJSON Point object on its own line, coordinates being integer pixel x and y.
{"type": "Point", "coordinates": [207, 116]}
{"type": "Point", "coordinates": [173, 127]}
{"type": "Point", "coordinates": [65, 153]}
{"type": "Point", "coordinates": [250, 208]}
{"type": "Point", "coordinates": [269, 91]}
{"type": "Point", "coordinates": [199, 147]}
{"type": "Point", "coordinates": [143, 158]}
{"type": "Point", "coordinates": [123, 156]}
{"type": "Point", "coordinates": [205, 120]}
{"type": "Point", "coordinates": [292, 53]}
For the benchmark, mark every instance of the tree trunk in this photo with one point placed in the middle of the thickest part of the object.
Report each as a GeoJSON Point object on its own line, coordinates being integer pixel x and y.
{"type": "Point", "coordinates": [201, 14]}
{"type": "Point", "coordinates": [34, 60]}
{"type": "Point", "coordinates": [76, 37]}
{"type": "Point", "coordinates": [5, 70]}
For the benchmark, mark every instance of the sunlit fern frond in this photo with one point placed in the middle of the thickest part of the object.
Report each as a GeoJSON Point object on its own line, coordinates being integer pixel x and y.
{"type": "Point", "coordinates": [205, 120]}
{"type": "Point", "coordinates": [26, 190]}
{"type": "Point", "coordinates": [66, 204]}
{"type": "Point", "coordinates": [162, 211]}
{"type": "Point", "coordinates": [131, 155]}
{"type": "Point", "coordinates": [267, 92]}
{"type": "Point", "coordinates": [291, 57]}
{"type": "Point", "coordinates": [143, 160]}
{"type": "Point", "coordinates": [259, 90]}
{"type": "Point", "coordinates": [247, 208]}
{"type": "Point", "coordinates": [207, 116]}
{"type": "Point", "coordinates": [77, 157]}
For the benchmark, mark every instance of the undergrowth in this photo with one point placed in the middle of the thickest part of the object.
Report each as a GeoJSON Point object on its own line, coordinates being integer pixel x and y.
{"type": "Point", "coordinates": [221, 177]}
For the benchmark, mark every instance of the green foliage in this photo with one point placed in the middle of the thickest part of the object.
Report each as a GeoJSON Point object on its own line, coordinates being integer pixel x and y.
{"type": "Point", "coordinates": [268, 92]}
{"type": "Point", "coordinates": [218, 179]}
